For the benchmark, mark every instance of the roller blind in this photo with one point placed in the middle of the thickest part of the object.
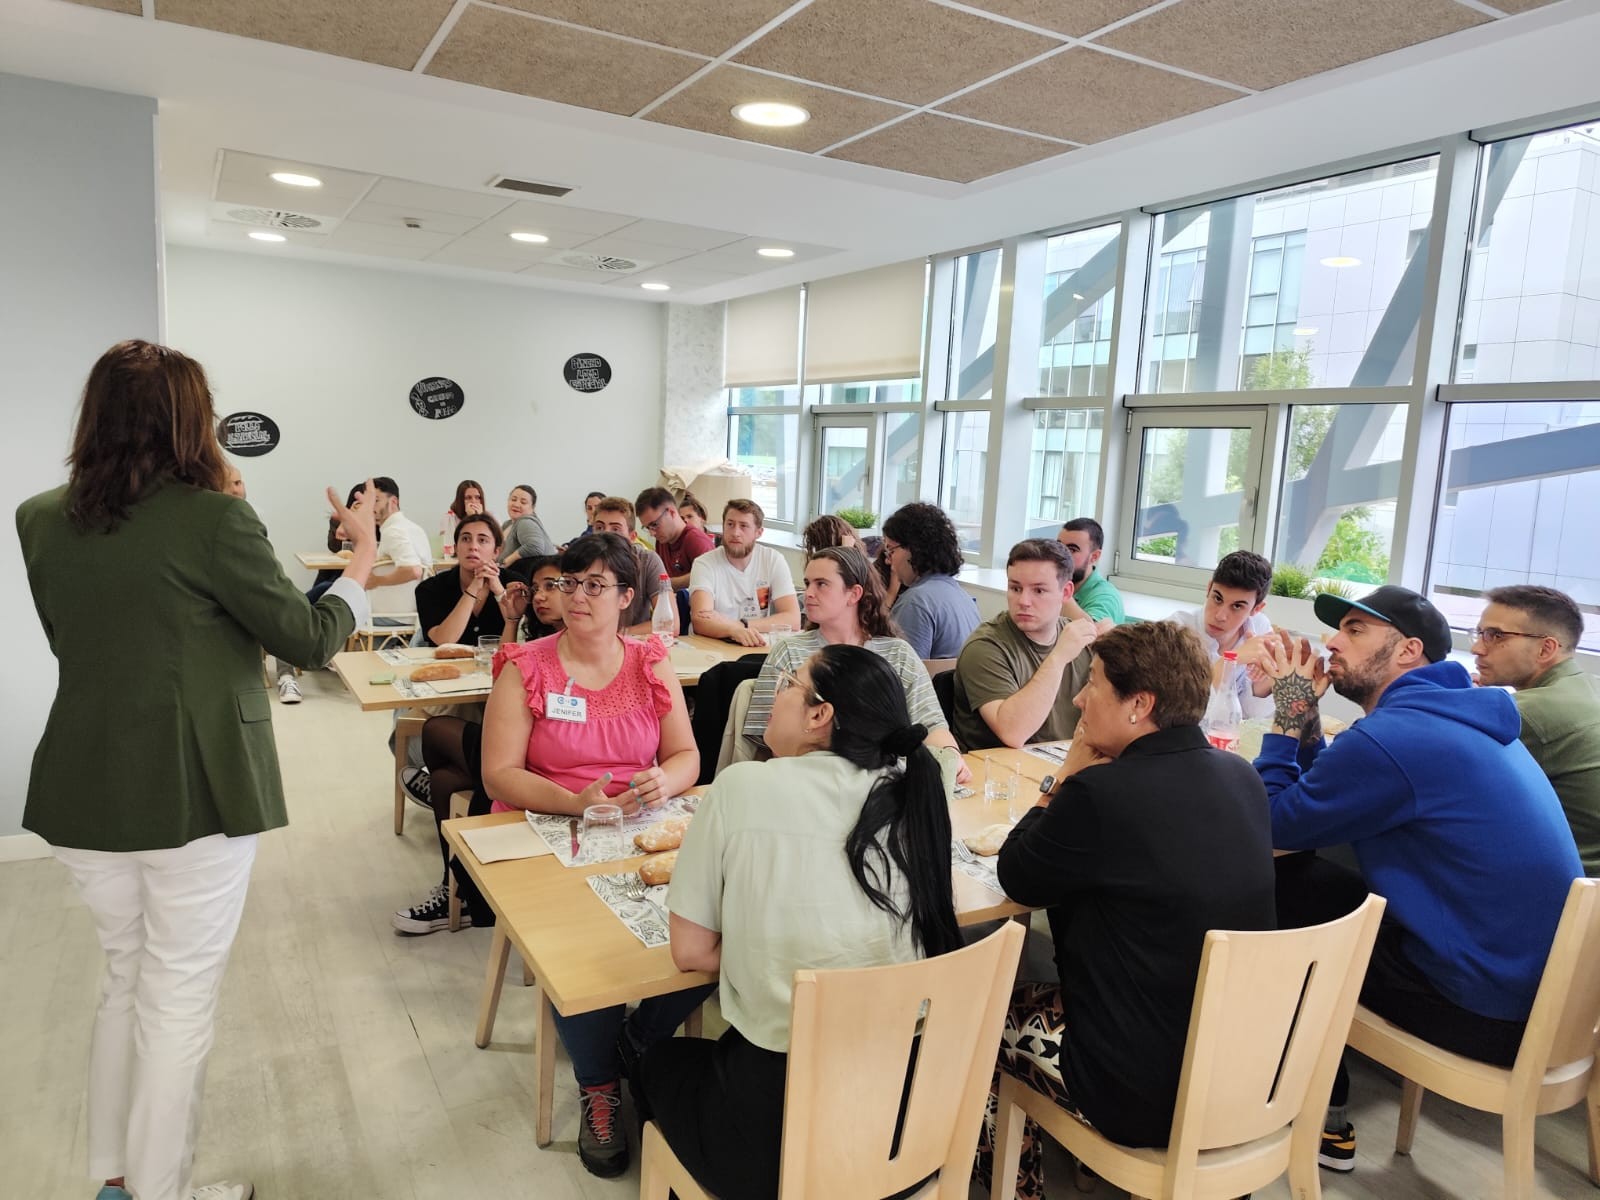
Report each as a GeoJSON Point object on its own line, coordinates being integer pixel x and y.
{"type": "Point", "coordinates": [763, 340]}
{"type": "Point", "coordinates": [866, 326]}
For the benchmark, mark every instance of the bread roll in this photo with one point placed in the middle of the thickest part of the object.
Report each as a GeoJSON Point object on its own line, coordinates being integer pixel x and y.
{"type": "Point", "coordinates": [988, 840]}
{"type": "Point", "coordinates": [435, 671]}
{"type": "Point", "coordinates": [344, 553]}
{"type": "Point", "coordinates": [666, 836]}
{"type": "Point", "coordinates": [454, 650]}
{"type": "Point", "coordinates": [658, 868]}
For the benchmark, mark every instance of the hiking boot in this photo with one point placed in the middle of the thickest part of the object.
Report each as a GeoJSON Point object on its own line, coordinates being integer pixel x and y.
{"type": "Point", "coordinates": [602, 1146]}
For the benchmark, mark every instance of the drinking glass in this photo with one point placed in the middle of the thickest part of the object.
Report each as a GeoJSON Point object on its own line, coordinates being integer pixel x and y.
{"type": "Point", "coordinates": [1001, 785]}
{"type": "Point", "coordinates": [485, 655]}
{"type": "Point", "coordinates": [602, 833]}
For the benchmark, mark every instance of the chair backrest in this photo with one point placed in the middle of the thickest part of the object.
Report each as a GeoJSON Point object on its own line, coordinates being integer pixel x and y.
{"type": "Point", "coordinates": [735, 746]}
{"type": "Point", "coordinates": [1561, 1027]}
{"type": "Point", "coordinates": [944, 689]}
{"type": "Point", "coordinates": [1271, 1014]}
{"type": "Point", "coordinates": [854, 1034]}
{"type": "Point", "coordinates": [934, 665]}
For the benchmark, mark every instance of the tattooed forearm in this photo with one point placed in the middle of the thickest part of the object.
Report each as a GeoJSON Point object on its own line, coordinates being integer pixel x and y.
{"type": "Point", "coordinates": [1294, 702]}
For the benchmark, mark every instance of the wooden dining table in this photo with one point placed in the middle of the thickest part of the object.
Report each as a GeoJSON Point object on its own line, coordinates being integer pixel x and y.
{"type": "Point", "coordinates": [582, 957]}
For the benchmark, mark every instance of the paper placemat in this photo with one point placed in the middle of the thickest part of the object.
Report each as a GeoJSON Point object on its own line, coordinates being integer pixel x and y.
{"type": "Point", "coordinates": [500, 843]}
{"type": "Point", "coordinates": [556, 832]}
{"type": "Point", "coordinates": [646, 919]}
{"type": "Point", "coordinates": [1054, 753]}
{"type": "Point", "coordinates": [985, 870]}
{"type": "Point", "coordinates": [477, 681]}
{"type": "Point", "coordinates": [407, 656]}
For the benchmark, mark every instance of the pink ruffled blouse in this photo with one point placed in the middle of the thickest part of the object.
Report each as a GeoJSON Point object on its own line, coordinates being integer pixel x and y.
{"type": "Point", "coordinates": [623, 732]}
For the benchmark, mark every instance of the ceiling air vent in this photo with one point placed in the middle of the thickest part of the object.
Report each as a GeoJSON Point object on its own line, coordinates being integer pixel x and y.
{"type": "Point", "coordinates": [272, 218]}
{"type": "Point", "coordinates": [598, 262]}
{"type": "Point", "coordinates": [506, 183]}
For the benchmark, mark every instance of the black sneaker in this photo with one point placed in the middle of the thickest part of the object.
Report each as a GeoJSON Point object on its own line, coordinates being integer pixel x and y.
{"type": "Point", "coordinates": [432, 915]}
{"type": "Point", "coordinates": [602, 1146]}
{"type": "Point", "coordinates": [418, 785]}
{"type": "Point", "coordinates": [1338, 1152]}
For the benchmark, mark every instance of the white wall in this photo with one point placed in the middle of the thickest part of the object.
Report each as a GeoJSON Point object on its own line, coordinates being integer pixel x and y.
{"type": "Point", "coordinates": [696, 425]}
{"type": "Point", "coordinates": [80, 256]}
{"type": "Point", "coordinates": [331, 352]}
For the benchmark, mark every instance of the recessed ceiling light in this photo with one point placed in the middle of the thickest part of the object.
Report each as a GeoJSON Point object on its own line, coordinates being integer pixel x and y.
{"type": "Point", "coordinates": [538, 239]}
{"type": "Point", "coordinates": [1305, 331]}
{"type": "Point", "coordinates": [656, 287]}
{"type": "Point", "coordinates": [261, 235]}
{"type": "Point", "coordinates": [294, 180]}
{"type": "Point", "coordinates": [775, 252]}
{"type": "Point", "coordinates": [1340, 261]}
{"type": "Point", "coordinates": [771, 114]}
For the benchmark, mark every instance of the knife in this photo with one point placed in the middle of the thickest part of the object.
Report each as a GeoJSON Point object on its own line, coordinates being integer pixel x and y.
{"type": "Point", "coordinates": [572, 828]}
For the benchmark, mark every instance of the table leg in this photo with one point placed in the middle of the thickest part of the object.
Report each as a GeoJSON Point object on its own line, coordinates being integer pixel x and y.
{"type": "Point", "coordinates": [494, 978]}
{"type": "Point", "coordinates": [544, 1049]}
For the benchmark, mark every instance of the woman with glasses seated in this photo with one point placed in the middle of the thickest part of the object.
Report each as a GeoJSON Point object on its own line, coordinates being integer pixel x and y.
{"type": "Point", "coordinates": [844, 603]}
{"type": "Point", "coordinates": [531, 605]}
{"type": "Point", "coordinates": [835, 854]}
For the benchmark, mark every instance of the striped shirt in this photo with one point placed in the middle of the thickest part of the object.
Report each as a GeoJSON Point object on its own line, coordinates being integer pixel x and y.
{"type": "Point", "coordinates": [791, 653]}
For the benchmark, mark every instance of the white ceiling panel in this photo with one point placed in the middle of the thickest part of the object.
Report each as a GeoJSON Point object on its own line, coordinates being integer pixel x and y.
{"type": "Point", "coordinates": [247, 179]}
{"type": "Point", "coordinates": [397, 215]}
{"type": "Point", "coordinates": [537, 217]}
{"type": "Point", "coordinates": [403, 193]}
{"type": "Point", "coordinates": [625, 247]}
{"type": "Point", "coordinates": [690, 237]}
{"type": "Point", "coordinates": [409, 243]}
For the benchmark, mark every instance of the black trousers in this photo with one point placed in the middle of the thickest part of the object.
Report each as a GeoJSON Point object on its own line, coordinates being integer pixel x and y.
{"type": "Point", "coordinates": [1310, 891]}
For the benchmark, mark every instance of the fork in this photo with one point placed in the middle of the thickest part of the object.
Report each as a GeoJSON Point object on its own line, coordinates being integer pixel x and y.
{"type": "Point", "coordinates": [960, 847]}
{"type": "Point", "coordinates": [635, 889]}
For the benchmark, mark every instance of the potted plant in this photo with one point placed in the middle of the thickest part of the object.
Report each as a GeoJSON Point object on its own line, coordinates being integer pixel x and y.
{"type": "Point", "coordinates": [858, 518]}
{"type": "Point", "coordinates": [1289, 598]}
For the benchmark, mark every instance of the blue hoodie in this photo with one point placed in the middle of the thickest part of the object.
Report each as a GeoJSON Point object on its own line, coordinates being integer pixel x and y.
{"type": "Point", "coordinates": [1451, 820]}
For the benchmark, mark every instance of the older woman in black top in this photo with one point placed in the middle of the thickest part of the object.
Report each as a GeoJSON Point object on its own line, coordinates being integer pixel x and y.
{"type": "Point", "coordinates": [1152, 839]}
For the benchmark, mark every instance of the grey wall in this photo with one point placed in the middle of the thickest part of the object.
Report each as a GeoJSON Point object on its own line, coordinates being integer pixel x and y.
{"type": "Point", "coordinates": [80, 268]}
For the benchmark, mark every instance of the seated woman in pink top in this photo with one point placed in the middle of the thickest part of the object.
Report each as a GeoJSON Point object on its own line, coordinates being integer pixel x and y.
{"type": "Point", "coordinates": [629, 742]}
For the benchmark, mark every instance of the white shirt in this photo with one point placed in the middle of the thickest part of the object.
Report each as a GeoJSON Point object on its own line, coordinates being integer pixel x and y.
{"type": "Point", "coordinates": [1255, 624]}
{"type": "Point", "coordinates": [747, 594]}
{"type": "Point", "coordinates": [406, 542]}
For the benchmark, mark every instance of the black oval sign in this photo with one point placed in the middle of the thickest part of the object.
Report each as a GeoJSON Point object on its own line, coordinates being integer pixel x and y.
{"type": "Point", "coordinates": [587, 372]}
{"type": "Point", "coordinates": [437, 398]}
{"type": "Point", "coordinates": [248, 434]}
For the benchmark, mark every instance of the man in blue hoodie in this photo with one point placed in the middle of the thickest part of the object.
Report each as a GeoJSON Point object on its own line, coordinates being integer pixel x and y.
{"type": "Point", "coordinates": [1450, 819]}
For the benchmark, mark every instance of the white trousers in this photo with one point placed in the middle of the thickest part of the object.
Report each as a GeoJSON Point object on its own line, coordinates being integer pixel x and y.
{"type": "Point", "coordinates": [166, 920]}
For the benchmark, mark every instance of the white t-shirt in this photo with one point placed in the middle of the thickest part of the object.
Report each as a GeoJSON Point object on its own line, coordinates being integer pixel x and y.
{"type": "Point", "coordinates": [406, 542]}
{"type": "Point", "coordinates": [747, 594]}
{"type": "Point", "coordinates": [1250, 704]}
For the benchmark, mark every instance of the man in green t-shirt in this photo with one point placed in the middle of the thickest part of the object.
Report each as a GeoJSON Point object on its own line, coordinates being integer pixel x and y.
{"type": "Point", "coordinates": [1093, 595]}
{"type": "Point", "coordinates": [1018, 673]}
{"type": "Point", "coordinates": [1525, 640]}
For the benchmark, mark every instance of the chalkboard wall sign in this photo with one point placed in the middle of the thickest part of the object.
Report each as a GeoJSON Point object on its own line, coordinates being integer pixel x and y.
{"type": "Point", "coordinates": [248, 434]}
{"type": "Point", "coordinates": [437, 398]}
{"type": "Point", "coordinates": [587, 372]}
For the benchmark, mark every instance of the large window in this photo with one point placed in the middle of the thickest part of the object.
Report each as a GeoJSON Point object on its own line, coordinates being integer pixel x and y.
{"type": "Point", "coordinates": [767, 445]}
{"type": "Point", "coordinates": [880, 391]}
{"type": "Point", "coordinates": [1333, 270]}
{"type": "Point", "coordinates": [965, 468]}
{"type": "Point", "coordinates": [1195, 487]}
{"type": "Point", "coordinates": [974, 325]}
{"type": "Point", "coordinates": [1063, 468]}
{"type": "Point", "coordinates": [1079, 301]}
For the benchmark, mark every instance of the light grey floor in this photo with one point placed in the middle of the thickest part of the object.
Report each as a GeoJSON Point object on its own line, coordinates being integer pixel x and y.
{"type": "Point", "coordinates": [344, 1064]}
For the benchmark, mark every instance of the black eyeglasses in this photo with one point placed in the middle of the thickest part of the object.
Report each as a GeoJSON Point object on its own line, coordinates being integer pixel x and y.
{"type": "Point", "coordinates": [1490, 636]}
{"type": "Point", "coordinates": [591, 586]}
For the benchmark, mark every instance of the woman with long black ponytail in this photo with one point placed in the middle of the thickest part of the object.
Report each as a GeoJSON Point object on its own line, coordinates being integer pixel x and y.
{"type": "Point", "coordinates": [833, 854]}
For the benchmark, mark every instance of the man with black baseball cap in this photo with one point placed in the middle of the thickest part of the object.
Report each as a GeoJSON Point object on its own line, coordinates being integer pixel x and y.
{"type": "Point", "coordinates": [1448, 815]}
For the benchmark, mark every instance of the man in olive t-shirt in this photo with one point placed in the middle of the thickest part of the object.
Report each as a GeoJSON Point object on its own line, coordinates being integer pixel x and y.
{"type": "Point", "coordinates": [1018, 673]}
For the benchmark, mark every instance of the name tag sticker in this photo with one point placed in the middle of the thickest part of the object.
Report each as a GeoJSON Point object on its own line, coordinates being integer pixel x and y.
{"type": "Point", "coordinates": [559, 707]}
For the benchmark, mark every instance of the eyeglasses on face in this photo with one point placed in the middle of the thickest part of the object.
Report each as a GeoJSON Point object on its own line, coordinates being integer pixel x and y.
{"type": "Point", "coordinates": [590, 584]}
{"type": "Point", "coordinates": [788, 679]}
{"type": "Point", "coordinates": [1490, 636]}
{"type": "Point", "coordinates": [549, 585]}
{"type": "Point", "coordinates": [890, 547]}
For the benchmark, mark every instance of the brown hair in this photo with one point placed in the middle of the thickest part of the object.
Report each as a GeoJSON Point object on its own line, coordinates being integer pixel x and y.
{"type": "Point", "coordinates": [749, 508]}
{"type": "Point", "coordinates": [482, 518]}
{"type": "Point", "coordinates": [459, 504]}
{"type": "Point", "coordinates": [856, 571]}
{"type": "Point", "coordinates": [617, 504]}
{"type": "Point", "coordinates": [145, 418]}
{"type": "Point", "coordinates": [828, 530]}
{"type": "Point", "coordinates": [1043, 550]}
{"type": "Point", "coordinates": [654, 497]}
{"type": "Point", "coordinates": [1164, 659]}
{"type": "Point", "coordinates": [690, 503]}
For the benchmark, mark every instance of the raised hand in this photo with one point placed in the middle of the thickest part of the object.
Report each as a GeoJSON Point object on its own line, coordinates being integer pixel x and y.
{"type": "Point", "coordinates": [356, 523]}
{"type": "Point", "coordinates": [514, 601]}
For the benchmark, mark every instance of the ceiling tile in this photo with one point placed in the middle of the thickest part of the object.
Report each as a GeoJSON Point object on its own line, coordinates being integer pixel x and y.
{"type": "Point", "coordinates": [375, 31]}
{"type": "Point", "coordinates": [402, 239]}
{"type": "Point", "coordinates": [247, 179]}
{"type": "Point", "coordinates": [460, 253]}
{"type": "Point", "coordinates": [498, 242]}
{"type": "Point", "coordinates": [625, 247]}
{"type": "Point", "coordinates": [1516, 6]}
{"type": "Point", "coordinates": [1085, 96]}
{"type": "Point", "coordinates": [703, 26]}
{"type": "Point", "coordinates": [707, 104]}
{"type": "Point", "coordinates": [536, 216]}
{"type": "Point", "coordinates": [740, 258]}
{"type": "Point", "coordinates": [690, 237]}
{"type": "Point", "coordinates": [1264, 43]}
{"type": "Point", "coordinates": [1077, 18]}
{"type": "Point", "coordinates": [909, 50]}
{"type": "Point", "coordinates": [943, 148]}
{"type": "Point", "coordinates": [404, 194]}
{"type": "Point", "coordinates": [567, 274]}
{"type": "Point", "coordinates": [397, 216]}
{"type": "Point", "coordinates": [511, 53]}
{"type": "Point", "coordinates": [132, 7]}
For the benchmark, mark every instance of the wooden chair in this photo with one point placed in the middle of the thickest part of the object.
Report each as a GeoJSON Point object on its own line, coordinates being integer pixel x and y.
{"type": "Point", "coordinates": [370, 637]}
{"type": "Point", "coordinates": [458, 808]}
{"type": "Point", "coordinates": [935, 665]}
{"type": "Point", "coordinates": [1268, 1025]}
{"type": "Point", "coordinates": [408, 724]}
{"type": "Point", "coordinates": [1555, 1066]}
{"type": "Point", "coordinates": [853, 1034]}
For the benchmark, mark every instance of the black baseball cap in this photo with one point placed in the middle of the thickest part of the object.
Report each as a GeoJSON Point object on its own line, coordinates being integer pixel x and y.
{"type": "Point", "coordinates": [1413, 615]}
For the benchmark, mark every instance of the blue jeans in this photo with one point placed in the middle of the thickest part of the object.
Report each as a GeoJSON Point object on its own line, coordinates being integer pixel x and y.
{"type": "Point", "coordinates": [591, 1037]}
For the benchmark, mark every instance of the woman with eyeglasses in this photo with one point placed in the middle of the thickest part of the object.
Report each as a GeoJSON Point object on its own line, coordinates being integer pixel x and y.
{"type": "Point", "coordinates": [834, 854]}
{"type": "Point", "coordinates": [844, 603]}
{"type": "Point", "coordinates": [630, 744]}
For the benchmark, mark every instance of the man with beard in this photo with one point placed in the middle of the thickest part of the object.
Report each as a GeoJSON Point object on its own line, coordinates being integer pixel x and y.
{"type": "Point", "coordinates": [1093, 595]}
{"type": "Point", "coordinates": [1448, 815]}
{"type": "Point", "coordinates": [741, 589]}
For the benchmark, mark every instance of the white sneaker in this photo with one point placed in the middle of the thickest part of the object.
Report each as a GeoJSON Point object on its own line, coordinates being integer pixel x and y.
{"type": "Point", "coordinates": [288, 693]}
{"type": "Point", "coordinates": [224, 1191]}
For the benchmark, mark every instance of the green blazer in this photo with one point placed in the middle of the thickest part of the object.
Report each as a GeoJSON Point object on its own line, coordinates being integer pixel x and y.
{"type": "Point", "coordinates": [161, 730]}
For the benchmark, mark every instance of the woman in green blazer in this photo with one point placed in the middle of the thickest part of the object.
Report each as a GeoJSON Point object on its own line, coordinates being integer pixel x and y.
{"type": "Point", "coordinates": [157, 767]}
